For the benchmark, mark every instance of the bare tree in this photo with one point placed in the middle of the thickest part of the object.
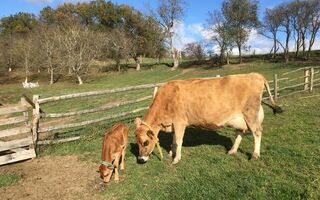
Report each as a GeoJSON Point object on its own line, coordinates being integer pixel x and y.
{"type": "Point", "coordinates": [168, 13]}
{"type": "Point", "coordinates": [26, 52]}
{"type": "Point", "coordinates": [118, 46]}
{"type": "Point", "coordinates": [271, 24]}
{"type": "Point", "coordinates": [50, 38]}
{"type": "Point", "coordinates": [78, 43]}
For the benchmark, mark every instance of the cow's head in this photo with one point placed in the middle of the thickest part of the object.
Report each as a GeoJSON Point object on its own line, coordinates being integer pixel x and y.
{"type": "Point", "coordinates": [145, 139]}
{"type": "Point", "coordinates": [105, 172]}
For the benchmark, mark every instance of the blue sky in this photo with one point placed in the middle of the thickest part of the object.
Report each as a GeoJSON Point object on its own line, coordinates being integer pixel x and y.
{"type": "Point", "coordinates": [189, 30]}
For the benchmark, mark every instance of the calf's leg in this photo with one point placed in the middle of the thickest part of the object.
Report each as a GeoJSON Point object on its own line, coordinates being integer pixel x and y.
{"type": "Point", "coordinates": [116, 165]}
{"type": "Point", "coordinates": [122, 158]}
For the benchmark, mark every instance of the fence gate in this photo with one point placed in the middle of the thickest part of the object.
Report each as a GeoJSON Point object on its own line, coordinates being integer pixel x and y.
{"type": "Point", "coordinates": [16, 139]}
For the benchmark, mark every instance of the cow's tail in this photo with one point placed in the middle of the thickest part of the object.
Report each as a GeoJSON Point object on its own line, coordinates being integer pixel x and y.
{"type": "Point", "coordinates": [275, 108]}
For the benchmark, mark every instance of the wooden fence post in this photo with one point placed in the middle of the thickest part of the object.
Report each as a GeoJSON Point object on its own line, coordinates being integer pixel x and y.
{"type": "Point", "coordinates": [311, 78]}
{"type": "Point", "coordinates": [306, 78]}
{"type": "Point", "coordinates": [275, 81]}
{"type": "Point", "coordinates": [155, 92]}
{"type": "Point", "coordinates": [24, 102]}
{"type": "Point", "coordinates": [36, 118]}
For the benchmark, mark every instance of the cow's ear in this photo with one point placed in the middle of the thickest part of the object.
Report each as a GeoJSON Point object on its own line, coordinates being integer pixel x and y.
{"type": "Point", "coordinates": [137, 122]}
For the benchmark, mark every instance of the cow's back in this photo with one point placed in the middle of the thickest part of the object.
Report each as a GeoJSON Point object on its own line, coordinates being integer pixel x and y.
{"type": "Point", "coordinates": [207, 102]}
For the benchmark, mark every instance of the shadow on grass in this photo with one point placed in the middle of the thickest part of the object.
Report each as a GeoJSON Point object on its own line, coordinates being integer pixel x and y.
{"type": "Point", "coordinates": [192, 137]}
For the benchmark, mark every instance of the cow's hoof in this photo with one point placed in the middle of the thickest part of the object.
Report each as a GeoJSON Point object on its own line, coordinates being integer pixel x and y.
{"type": "Point", "coordinates": [255, 157]}
{"type": "Point", "coordinates": [232, 152]}
{"type": "Point", "coordinates": [175, 161]}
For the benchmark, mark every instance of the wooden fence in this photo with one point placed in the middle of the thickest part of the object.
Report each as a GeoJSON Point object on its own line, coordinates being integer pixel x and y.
{"type": "Point", "coordinates": [295, 81]}
{"type": "Point", "coordinates": [16, 139]}
{"type": "Point", "coordinates": [39, 129]}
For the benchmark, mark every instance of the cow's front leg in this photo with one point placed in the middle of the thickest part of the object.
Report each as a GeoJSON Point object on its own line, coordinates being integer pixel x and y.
{"type": "Point", "coordinates": [172, 151]}
{"type": "Point", "coordinates": [237, 142]}
{"type": "Point", "coordinates": [178, 139]}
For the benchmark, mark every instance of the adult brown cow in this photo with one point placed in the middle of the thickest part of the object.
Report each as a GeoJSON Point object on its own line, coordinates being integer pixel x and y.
{"type": "Point", "coordinates": [208, 103]}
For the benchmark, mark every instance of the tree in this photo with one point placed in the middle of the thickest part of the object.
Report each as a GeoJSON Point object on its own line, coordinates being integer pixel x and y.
{"type": "Point", "coordinates": [119, 46]}
{"type": "Point", "coordinates": [314, 25]}
{"type": "Point", "coordinates": [18, 23]}
{"type": "Point", "coordinates": [26, 51]}
{"type": "Point", "coordinates": [50, 38]}
{"type": "Point", "coordinates": [78, 49]}
{"type": "Point", "coordinates": [285, 27]}
{"type": "Point", "coordinates": [8, 57]}
{"type": "Point", "coordinates": [221, 35]}
{"type": "Point", "coordinates": [271, 24]}
{"type": "Point", "coordinates": [241, 15]}
{"type": "Point", "coordinates": [194, 50]}
{"type": "Point", "coordinates": [168, 13]}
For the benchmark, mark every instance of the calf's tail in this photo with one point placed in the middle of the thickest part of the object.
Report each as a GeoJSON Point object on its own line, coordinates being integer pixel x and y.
{"type": "Point", "coordinates": [276, 109]}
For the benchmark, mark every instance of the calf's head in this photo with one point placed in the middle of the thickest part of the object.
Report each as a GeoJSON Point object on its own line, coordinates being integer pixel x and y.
{"type": "Point", "coordinates": [145, 139]}
{"type": "Point", "coordinates": [105, 172]}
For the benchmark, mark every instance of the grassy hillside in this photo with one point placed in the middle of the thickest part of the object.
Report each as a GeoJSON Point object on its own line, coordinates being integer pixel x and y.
{"type": "Point", "coordinates": [289, 167]}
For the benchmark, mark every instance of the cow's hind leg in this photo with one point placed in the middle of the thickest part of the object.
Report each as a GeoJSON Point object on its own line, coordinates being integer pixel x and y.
{"type": "Point", "coordinates": [237, 142]}
{"type": "Point", "coordinates": [177, 142]}
{"type": "Point", "coordinates": [254, 118]}
{"type": "Point", "coordinates": [257, 135]}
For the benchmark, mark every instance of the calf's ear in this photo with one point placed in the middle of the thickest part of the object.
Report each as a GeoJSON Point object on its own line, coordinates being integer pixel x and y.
{"type": "Point", "coordinates": [137, 122]}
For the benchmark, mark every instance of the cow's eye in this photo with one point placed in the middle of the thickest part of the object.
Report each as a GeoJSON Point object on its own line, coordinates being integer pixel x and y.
{"type": "Point", "coordinates": [146, 143]}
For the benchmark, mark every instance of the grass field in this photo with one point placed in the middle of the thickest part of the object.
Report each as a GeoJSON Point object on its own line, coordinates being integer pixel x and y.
{"type": "Point", "coordinates": [289, 167]}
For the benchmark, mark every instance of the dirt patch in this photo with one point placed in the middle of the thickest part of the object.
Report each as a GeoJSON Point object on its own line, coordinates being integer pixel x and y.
{"type": "Point", "coordinates": [61, 177]}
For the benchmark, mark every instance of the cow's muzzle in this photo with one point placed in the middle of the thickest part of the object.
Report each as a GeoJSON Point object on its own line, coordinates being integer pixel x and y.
{"type": "Point", "coordinates": [142, 159]}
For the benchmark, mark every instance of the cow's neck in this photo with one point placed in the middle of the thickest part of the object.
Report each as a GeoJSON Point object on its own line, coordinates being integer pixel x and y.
{"type": "Point", "coordinates": [152, 120]}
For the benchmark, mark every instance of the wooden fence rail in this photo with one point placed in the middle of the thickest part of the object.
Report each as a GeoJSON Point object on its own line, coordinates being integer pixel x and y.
{"type": "Point", "coordinates": [95, 93]}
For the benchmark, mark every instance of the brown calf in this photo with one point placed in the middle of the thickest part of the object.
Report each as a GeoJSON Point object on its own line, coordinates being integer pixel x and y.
{"type": "Point", "coordinates": [113, 148]}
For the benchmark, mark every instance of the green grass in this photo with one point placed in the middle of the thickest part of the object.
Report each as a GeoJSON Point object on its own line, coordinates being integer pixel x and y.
{"type": "Point", "coordinates": [7, 179]}
{"type": "Point", "coordinates": [289, 167]}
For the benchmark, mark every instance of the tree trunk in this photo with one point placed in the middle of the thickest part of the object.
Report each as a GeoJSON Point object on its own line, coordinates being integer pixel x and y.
{"type": "Point", "coordinates": [228, 58]}
{"type": "Point", "coordinates": [118, 65]}
{"type": "Point", "coordinates": [274, 46]}
{"type": "Point", "coordinates": [138, 60]}
{"type": "Point", "coordinates": [174, 54]}
{"type": "Point", "coordinates": [79, 80]}
{"type": "Point", "coordinates": [51, 76]}
{"type": "Point", "coordinates": [240, 55]}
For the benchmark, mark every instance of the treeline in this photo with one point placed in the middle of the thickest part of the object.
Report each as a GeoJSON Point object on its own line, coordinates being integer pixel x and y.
{"type": "Point", "coordinates": [67, 39]}
{"type": "Point", "coordinates": [299, 20]}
